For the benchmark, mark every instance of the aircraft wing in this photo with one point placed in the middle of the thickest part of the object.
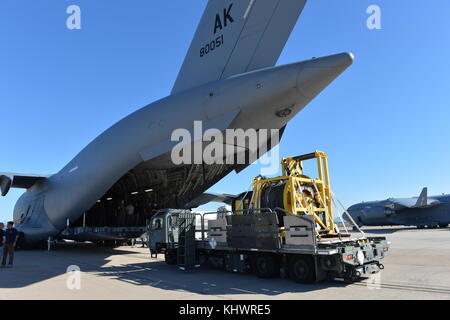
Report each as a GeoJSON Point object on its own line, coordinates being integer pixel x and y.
{"type": "Point", "coordinates": [17, 180]}
{"type": "Point", "coordinates": [210, 197]}
{"type": "Point", "coordinates": [421, 202]}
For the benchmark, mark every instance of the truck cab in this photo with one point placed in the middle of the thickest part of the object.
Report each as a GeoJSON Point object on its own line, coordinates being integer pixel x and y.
{"type": "Point", "coordinates": [163, 231]}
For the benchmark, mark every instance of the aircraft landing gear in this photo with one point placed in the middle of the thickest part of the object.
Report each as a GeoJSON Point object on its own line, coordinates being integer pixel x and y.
{"type": "Point", "coordinates": [50, 243]}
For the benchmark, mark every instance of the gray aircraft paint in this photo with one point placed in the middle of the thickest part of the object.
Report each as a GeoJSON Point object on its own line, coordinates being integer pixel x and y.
{"type": "Point", "coordinates": [253, 40]}
{"type": "Point", "coordinates": [416, 211]}
{"type": "Point", "coordinates": [142, 139]}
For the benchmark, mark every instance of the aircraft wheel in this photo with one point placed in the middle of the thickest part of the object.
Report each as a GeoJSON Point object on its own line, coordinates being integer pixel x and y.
{"type": "Point", "coordinates": [302, 269]}
{"type": "Point", "coordinates": [265, 265]}
{"type": "Point", "coordinates": [171, 257]}
{"type": "Point", "coordinates": [109, 244]}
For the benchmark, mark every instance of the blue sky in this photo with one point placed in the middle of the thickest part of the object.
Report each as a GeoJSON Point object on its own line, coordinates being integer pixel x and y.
{"type": "Point", "coordinates": [384, 123]}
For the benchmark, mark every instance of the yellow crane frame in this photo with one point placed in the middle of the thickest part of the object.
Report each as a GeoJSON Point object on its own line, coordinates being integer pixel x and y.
{"type": "Point", "coordinates": [303, 195]}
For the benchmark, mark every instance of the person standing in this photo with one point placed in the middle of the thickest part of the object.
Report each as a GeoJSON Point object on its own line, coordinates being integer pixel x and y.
{"type": "Point", "coordinates": [130, 214]}
{"type": "Point", "coordinates": [2, 233]}
{"type": "Point", "coordinates": [9, 243]}
{"type": "Point", "coordinates": [121, 214]}
{"type": "Point", "coordinates": [155, 208]}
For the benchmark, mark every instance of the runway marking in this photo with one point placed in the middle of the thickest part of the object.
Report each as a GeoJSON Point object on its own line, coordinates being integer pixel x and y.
{"type": "Point", "coordinates": [242, 290]}
{"type": "Point", "coordinates": [403, 287]}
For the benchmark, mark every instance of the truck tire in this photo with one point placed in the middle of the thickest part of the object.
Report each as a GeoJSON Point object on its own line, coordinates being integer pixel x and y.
{"type": "Point", "coordinates": [302, 269]}
{"type": "Point", "coordinates": [170, 257]}
{"type": "Point", "coordinates": [443, 225]}
{"type": "Point", "coordinates": [265, 265]}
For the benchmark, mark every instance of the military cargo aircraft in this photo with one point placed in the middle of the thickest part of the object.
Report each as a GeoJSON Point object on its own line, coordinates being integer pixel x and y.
{"type": "Point", "coordinates": [228, 81]}
{"type": "Point", "coordinates": [422, 211]}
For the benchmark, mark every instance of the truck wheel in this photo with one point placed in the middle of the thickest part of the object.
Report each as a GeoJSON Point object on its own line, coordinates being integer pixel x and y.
{"type": "Point", "coordinates": [265, 265]}
{"type": "Point", "coordinates": [302, 269]}
{"type": "Point", "coordinates": [443, 225]}
{"type": "Point", "coordinates": [170, 257]}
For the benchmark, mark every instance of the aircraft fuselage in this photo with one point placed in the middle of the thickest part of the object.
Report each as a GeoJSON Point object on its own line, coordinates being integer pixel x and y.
{"type": "Point", "coordinates": [249, 100]}
{"type": "Point", "coordinates": [379, 213]}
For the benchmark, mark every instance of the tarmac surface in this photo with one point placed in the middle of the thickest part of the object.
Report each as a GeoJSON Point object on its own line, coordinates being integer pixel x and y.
{"type": "Point", "coordinates": [418, 267]}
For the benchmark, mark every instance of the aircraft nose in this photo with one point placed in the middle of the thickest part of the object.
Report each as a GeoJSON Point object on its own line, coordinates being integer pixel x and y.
{"type": "Point", "coordinates": [315, 75]}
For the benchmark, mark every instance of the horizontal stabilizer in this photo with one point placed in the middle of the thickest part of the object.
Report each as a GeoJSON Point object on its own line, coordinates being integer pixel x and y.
{"type": "Point", "coordinates": [17, 180]}
{"type": "Point", "coordinates": [210, 197]}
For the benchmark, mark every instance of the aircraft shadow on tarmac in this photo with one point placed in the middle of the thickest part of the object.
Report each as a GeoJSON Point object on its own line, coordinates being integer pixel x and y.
{"type": "Point", "coordinates": [35, 266]}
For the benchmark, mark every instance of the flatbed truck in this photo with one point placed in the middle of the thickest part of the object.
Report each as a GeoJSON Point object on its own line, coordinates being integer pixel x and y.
{"type": "Point", "coordinates": [294, 237]}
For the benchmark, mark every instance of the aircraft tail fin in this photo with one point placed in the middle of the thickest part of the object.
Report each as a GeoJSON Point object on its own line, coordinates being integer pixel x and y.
{"type": "Point", "coordinates": [237, 36]}
{"type": "Point", "coordinates": [423, 198]}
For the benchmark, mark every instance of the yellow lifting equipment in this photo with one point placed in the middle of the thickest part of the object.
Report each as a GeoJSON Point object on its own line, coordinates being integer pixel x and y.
{"type": "Point", "coordinates": [298, 194]}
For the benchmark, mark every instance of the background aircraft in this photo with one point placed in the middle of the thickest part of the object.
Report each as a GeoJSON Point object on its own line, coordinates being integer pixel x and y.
{"type": "Point", "coordinates": [422, 211]}
{"type": "Point", "coordinates": [227, 81]}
